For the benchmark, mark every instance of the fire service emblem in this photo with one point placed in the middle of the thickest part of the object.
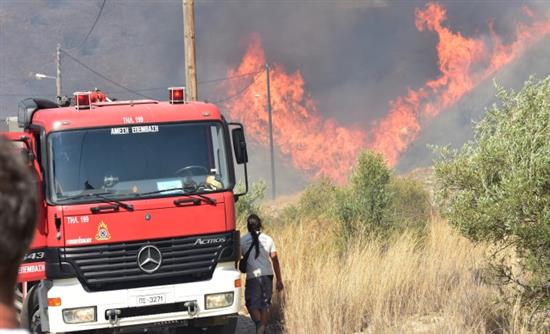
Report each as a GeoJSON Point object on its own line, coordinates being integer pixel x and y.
{"type": "Point", "coordinates": [102, 232]}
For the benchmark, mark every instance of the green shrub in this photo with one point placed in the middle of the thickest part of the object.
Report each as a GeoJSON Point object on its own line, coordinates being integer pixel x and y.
{"type": "Point", "coordinates": [289, 214]}
{"type": "Point", "coordinates": [497, 187]}
{"type": "Point", "coordinates": [361, 207]}
{"type": "Point", "coordinates": [375, 202]}
{"type": "Point", "coordinates": [315, 203]}
{"type": "Point", "coordinates": [410, 205]}
{"type": "Point", "coordinates": [369, 187]}
{"type": "Point", "coordinates": [249, 203]}
{"type": "Point", "coordinates": [317, 199]}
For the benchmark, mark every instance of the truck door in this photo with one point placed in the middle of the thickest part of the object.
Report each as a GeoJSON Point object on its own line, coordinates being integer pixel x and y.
{"type": "Point", "coordinates": [25, 146]}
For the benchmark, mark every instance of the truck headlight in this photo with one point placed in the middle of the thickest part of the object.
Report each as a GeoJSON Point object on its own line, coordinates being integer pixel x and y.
{"type": "Point", "coordinates": [79, 315]}
{"type": "Point", "coordinates": [218, 300]}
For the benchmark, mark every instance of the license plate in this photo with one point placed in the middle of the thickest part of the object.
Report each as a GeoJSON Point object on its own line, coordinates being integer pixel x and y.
{"type": "Point", "coordinates": [151, 300]}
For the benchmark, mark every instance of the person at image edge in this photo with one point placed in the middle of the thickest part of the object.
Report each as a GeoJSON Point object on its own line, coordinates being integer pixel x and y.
{"type": "Point", "coordinates": [18, 213]}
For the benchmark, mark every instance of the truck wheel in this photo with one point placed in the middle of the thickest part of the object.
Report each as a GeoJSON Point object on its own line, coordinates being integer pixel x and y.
{"type": "Point", "coordinates": [36, 325]}
{"type": "Point", "coordinates": [18, 302]}
{"type": "Point", "coordinates": [30, 313]}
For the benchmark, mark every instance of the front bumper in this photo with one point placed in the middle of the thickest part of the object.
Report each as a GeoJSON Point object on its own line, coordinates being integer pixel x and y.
{"type": "Point", "coordinates": [163, 327]}
{"type": "Point", "coordinates": [172, 311]}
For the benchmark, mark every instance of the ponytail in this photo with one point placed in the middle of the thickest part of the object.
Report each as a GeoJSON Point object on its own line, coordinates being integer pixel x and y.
{"type": "Point", "coordinates": [254, 225]}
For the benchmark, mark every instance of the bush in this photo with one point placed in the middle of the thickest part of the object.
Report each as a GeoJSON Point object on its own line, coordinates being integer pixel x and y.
{"type": "Point", "coordinates": [369, 187]}
{"type": "Point", "coordinates": [249, 203]}
{"type": "Point", "coordinates": [315, 203]}
{"type": "Point", "coordinates": [360, 208]}
{"type": "Point", "coordinates": [317, 199]}
{"type": "Point", "coordinates": [410, 206]}
{"type": "Point", "coordinates": [497, 187]}
{"type": "Point", "coordinates": [375, 203]}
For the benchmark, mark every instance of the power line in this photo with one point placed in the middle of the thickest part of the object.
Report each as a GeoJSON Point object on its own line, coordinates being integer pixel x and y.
{"type": "Point", "coordinates": [231, 77]}
{"type": "Point", "coordinates": [137, 91]}
{"type": "Point", "coordinates": [21, 95]}
{"type": "Point", "coordinates": [200, 82]}
{"type": "Point", "coordinates": [239, 92]}
{"type": "Point", "coordinates": [104, 77]}
{"type": "Point", "coordinates": [153, 88]}
{"type": "Point", "coordinates": [140, 90]}
{"type": "Point", "coordinates": [354, 3]}
{"type": "Point", "coordinates": [93, 25]}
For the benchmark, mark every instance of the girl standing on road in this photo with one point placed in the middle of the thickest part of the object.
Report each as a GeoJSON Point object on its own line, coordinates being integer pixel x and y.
{"type": "Point", "coordinates": [261, 265]}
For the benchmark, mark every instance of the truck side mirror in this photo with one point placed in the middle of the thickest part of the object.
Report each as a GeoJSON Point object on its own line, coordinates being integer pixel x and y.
{"type": "Point", "coordinates": [239, 145]}
{"type": "Point", "coordinates": [241, 155]}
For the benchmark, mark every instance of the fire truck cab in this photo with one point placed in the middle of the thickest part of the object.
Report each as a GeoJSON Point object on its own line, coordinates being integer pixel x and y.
{"type": "Point", "coordinates": [137, 226]}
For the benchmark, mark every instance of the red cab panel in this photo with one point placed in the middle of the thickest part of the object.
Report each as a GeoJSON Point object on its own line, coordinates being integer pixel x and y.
{"type": "Point", "coordinates": [151, 219]}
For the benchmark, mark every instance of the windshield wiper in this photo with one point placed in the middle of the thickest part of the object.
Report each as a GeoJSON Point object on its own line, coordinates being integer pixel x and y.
{"type": "Point", "coordinates": [206, 199]}
{"type": "Point", "coordinates": [184, 191]}
{"type": "Point", "coordinates": [104, 199]}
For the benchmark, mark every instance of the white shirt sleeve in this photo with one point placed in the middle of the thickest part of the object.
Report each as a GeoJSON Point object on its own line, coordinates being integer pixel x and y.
{"type": "Point", "coordinates": [272, 247]}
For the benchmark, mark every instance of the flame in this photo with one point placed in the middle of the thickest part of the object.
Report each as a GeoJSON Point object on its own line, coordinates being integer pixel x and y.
{"type": "Point", "coordinates": [321, 146]}
{"type": "Point", "coordinates": [316, 145]}
{"type": "Point", "coordinates": [461, 63]}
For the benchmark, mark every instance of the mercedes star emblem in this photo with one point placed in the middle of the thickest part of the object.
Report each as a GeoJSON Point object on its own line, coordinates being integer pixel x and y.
{"type": "Point", "coordinates": [149, 259]}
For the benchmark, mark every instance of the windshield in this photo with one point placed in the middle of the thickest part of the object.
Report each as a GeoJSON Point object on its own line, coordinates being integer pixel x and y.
{"type": "Point", "coordinates": [139, 161]}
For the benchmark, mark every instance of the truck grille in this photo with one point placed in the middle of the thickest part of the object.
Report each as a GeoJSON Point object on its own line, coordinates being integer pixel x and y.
{"type": "Point", "coordinates": [115, 266]}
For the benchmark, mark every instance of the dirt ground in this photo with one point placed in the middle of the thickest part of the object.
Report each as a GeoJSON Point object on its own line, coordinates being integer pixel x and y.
{"type": "Point", "coordinates": [245, 325]}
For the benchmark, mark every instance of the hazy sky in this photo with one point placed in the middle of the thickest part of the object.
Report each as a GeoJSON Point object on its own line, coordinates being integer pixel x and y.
{"type": "Point", "coordinates": [355, 56]}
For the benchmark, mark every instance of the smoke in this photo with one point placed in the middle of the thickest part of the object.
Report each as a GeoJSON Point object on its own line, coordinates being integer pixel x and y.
{"type": "Point", "coordinates": [354, 56]}
{"type": "Point", "coordinates": [322, 146]}
{"type": "Point", "coordinates": [135, 43]}
{"type": "Point", "coordinates": [455, 126]}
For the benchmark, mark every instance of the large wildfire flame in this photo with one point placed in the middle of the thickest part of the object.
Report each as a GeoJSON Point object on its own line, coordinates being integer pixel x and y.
{"type": "Point", "coordinates": [322, 147]}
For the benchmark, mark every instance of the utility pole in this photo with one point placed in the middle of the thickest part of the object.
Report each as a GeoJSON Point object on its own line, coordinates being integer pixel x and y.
{"type": "Point", "coordinates": [189, 46]}
{"type": "Point", "coordinates": [273, 189]}
{"type": "Point", "coordinates": [58, 72]}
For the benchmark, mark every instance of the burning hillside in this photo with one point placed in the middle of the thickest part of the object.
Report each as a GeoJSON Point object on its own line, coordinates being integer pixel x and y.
{"type": "Point", "coordinates": [320, 146]}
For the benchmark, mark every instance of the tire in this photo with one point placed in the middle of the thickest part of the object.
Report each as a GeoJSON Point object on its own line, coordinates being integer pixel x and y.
{"type": "Point", "coordinates": [35, 324]}
{"type": "Point", "coordinates": [18, 303]}
{"type": "Point", "coordinates": [30, 313]}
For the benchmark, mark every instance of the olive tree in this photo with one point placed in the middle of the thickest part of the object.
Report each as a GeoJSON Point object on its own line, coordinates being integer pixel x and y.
{"type": "Point", "coordinates": [496, 187]}
{"type": "Point", "coordinates": [361, 206]}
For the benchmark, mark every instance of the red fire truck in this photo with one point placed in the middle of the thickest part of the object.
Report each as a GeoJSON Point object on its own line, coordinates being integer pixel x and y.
{"type": "Point", "coordinates": [137, 229]}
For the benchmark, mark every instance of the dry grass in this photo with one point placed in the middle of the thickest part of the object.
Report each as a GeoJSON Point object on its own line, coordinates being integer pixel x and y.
{"type": "Point", "coordinates": [407, 285]}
